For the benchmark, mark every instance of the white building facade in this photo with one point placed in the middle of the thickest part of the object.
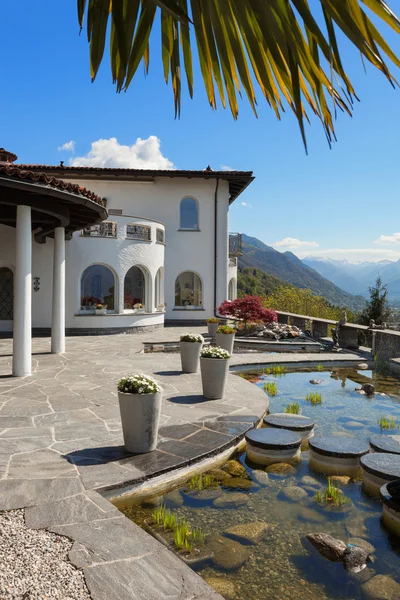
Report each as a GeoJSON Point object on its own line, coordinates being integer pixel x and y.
{"type": "Point", "coordinates": [161, 255]}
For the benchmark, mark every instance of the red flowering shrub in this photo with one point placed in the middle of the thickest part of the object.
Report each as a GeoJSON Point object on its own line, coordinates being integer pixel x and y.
{"type": "Point", "coordinates": [249, 308]}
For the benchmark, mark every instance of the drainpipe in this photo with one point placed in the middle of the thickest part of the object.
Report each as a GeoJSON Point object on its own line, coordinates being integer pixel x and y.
{"type": "Point", "coordinates": [215, 245]}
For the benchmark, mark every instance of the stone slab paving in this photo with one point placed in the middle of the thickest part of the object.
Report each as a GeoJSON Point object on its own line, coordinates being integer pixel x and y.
{"type": "Point", "coordinates": [61, 443]}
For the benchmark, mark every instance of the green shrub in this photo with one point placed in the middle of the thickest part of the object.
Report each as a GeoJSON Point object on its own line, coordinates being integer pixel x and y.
{"type": "Point", "coordinates": [314, 398]}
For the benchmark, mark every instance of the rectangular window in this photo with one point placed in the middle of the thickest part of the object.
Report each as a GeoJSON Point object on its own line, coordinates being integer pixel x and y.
{"type": "Point", "coordinates": [138, 232]}
{"type": "Point", "coordinates": [160, 235]}
{"type": "Point", "coordinates": [105, 229]}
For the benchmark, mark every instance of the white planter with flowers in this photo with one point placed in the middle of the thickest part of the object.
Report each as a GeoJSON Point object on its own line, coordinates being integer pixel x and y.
{"type": "Point", "coordinates": [190, 346]}
{"type": "Point", "coordinates": [225, 337]}
{"type": "Point", "coordinates": [140, 399]}
{"type": "Point", "coordinates": [212, 326]}
{"type": "Point", "coordinates": [214, 365]}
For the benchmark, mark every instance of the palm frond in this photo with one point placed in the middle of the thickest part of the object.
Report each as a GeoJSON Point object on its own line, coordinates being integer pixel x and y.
{"type": "Point", "coordinates": [282, 45]}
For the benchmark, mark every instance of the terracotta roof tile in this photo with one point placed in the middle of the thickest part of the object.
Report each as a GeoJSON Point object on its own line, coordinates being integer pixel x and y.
{"type": "Point", "coordinates": [21, 172]}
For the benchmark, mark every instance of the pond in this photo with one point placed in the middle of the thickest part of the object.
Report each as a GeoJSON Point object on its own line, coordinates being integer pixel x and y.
{"type": "Point", "coordinates": [270, 558]}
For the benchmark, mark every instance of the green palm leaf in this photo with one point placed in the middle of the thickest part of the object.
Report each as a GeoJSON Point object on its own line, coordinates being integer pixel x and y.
{"type": "Point", "coordinates": [283, 46]}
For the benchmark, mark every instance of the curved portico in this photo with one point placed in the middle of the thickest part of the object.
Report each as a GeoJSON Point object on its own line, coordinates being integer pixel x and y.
{"type": "Point", "coordinates": [40, 207]}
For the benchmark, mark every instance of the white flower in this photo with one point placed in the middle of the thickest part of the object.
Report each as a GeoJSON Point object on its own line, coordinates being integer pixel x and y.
{"type": "Point", "coordinates": [138, 384]}
{"type": "Point", "coordinates": [214, 352]}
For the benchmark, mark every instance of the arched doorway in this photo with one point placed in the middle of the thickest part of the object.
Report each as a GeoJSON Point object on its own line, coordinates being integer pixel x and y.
{"type": "Point", "coordinates": [6, 294]}
{"type": "Point", "coordinates": [232, 289]}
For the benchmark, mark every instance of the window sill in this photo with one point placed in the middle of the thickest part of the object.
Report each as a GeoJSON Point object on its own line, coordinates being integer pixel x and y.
{"type": "Point", "coordinates": [99, 237]}
{"type": "Point", "coordinates": [189, 310]}
{"type": "Point", "coordinates": [132, 239]}
{"type": "Point", "coordinates": [190, 230]}
{"type": "Point", "coordinates": [161, 243]}
{"type": "Point", "coordinates": [124, 314]}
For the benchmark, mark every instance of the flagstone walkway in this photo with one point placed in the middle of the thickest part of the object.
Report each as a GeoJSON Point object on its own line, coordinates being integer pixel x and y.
{"type": "Point", "coordinates": [61, 443]}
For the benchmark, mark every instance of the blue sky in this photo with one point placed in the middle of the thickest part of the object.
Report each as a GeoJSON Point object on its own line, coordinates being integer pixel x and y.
{"type": "Point", "coordinates": [340, 201]}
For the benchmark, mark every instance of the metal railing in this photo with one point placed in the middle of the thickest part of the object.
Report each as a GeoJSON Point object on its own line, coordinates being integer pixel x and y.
{"type": "Point", "coordinates": [138, 232]}
{"type": "Point", "coordinates": [105, 229]}
{"type": "Point", "coordinates": [160, 235]}
{"type": "Point", "coordinates": [235, 244]}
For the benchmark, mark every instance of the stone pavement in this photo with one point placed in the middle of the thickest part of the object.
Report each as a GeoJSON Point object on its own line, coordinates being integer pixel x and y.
{"type": "Point", "coordinates": [60, 441]}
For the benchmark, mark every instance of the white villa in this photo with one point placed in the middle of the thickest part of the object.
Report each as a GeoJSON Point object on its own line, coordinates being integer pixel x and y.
{"type": "Point", "coordinates": [139, 237]}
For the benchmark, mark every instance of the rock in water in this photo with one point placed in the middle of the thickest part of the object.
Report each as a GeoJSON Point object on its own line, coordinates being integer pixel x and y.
{"type": "Point", "coordinates": [260, 477]}
{"type": "Point", "coordinates": [355, 559]}
{"type": "Point", "coordinates": [343, 479]}
{"type": "Point", "coordinates": [381, 587]}
{"type": "Point", "coordinates": [368, 388]}
{"type": "Point", "coordinates": [281, 469]}
{"type": "Point", "coordinates": [222, 586]}
{"type": "Point", "coordinates": [231, 500]}
{"type": "Point", "coordinates": [316, 381]}
{"type": "Point", "coordinates": [228, 554]}
{"type": "Point", "coordinates": [248, 533]}
{"type": "Point", "coordinates": [234, 468]}
{"type": "Point", "coordinates": [238, 483]}
{"type": "Point", "coordinates": [362, 366]}
{"type": "Point", "coordinates": [328, 546]}
{"type": "Point", "coordinates": [294, 493]}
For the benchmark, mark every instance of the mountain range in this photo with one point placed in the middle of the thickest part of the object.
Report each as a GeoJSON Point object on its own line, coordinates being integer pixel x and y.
{"type": "Point", "coordinates": [290, 269]}
{"type": "Point", "coordinates": [357, 277]}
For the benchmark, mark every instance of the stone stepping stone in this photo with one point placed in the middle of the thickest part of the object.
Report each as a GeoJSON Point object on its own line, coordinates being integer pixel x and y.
{"type": "Point", "coordinates": [269, 446]}
{"type": "Point", "coordinates": [302, 425]}
{"type": "Point", "coordinates": [378, 469]}
{"type": "Point", "coordinates": [334, 455]}
{"type": "Point", "coordinates": [385, 443]}
{"type": "Point", "coordinates": [391, 509]}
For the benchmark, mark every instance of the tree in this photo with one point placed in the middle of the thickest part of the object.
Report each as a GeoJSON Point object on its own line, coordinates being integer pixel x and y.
{"type": "Point", "coordinates": [249, 308]}
{"type": "Point", "coordinates": [377, 307]}
{"type": "Point", "coordinates": [279, 44]}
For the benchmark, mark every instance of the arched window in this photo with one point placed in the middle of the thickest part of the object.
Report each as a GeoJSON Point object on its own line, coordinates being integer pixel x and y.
{"type": "Point", "coordinates": [6, 294]}
{"type": "Point", "coordinates": [97, 287]}
{"type": "Point", "coordinates": [188, 290]}
{"type": "Point", "coordinates": [232, 289]}
{"type": "Point", "coordinates": [189, 214]}
{"type": "Point", "coordinates": [159, 289]}
{"type": "Point", "coordinates": [134, 288]}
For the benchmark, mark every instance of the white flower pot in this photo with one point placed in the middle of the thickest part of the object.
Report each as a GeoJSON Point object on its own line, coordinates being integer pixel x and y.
{"type": "Point", "coordinates": [225, 341]}
{"type": "Point", "coordinates": [214, 372]}
{"type": "Point", "coordinates": [140, 417]}
{"type": "Point", "coordinates": [212, 328]}
{"type": "Point", "coordinates": [190, 356]}
{"type": "Point", "coordinates": [99, 311]}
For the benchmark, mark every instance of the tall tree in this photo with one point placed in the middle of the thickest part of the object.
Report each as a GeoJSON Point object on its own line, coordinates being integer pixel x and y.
{"type": "Point", "coordinates": [287, 48]}
{"type": "Point", "coordinates": [377, 306]}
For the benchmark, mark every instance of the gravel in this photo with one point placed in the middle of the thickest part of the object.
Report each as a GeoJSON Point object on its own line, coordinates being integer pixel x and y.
{"type": "Point", "coordinates": [34, 563]}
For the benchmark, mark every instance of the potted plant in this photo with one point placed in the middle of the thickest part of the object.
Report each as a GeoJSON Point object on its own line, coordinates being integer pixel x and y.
{"type": "Point", "coordinates": [138, 307]}
{"type": "Point", "coordinates": [161, 307]}
{"type": "Point", "coordinates": [214, 363]}
{"type": "Point", "coordinates": [100, 309]}
{"type": "Point", "coordinates": [190, 345]}
{"type": "Point", "coordinates": [212, 325]}
{"type": "Point", "coordinates": [225, 337]}
{"type": "Point", "coordinates": [140, 399]}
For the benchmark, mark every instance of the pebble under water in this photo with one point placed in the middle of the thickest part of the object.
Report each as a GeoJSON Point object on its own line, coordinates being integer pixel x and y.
{"type": "Point", "coordinates": [283, 564]}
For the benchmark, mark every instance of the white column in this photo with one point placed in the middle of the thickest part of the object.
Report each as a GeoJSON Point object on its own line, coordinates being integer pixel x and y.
{"type": "Point", "coordinates": [22, 342]}
{"type": "Point", "coordinates": [58, 313]}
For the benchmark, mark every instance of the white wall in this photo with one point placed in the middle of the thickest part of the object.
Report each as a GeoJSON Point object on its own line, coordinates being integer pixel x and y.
{"type": "Point", "coordinates": [183, 250]}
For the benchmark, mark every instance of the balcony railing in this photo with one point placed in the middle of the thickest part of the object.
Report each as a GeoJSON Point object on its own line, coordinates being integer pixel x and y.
{"type": "Point", "coordinates": [138, 232]}
{"type": "Point", "coordinates": [159, 235]}
{"type": "Point", "coordinates": [105, 229]}
{"type": "Point", "coordinates": [235, 244]}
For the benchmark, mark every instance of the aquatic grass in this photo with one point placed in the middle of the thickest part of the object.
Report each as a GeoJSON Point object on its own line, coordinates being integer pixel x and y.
{"type": "Point", "coordinates": [276, 370]}
{"type": "Point", "coordinates": [293, 409]}
{"type": "Point", "coordinates": [331, 495]}
{"type": "Point", "coordinates": [387, 423]}
{"type": "Point", "coordinates": [320, 367]}
{"type": "Point", "coordinates": [202, 482]}
{"type": "Point", "coordinates": [184, 539]}
{"type": "Point", "coordinates": [314, 398]}
{"type": "Point", "coordinates": [270, 388]}
{"type": "Point", "coordinates": [164, 517]}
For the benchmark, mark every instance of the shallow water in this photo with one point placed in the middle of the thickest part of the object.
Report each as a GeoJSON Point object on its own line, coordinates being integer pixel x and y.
{"type": "Point", "coordinates": [284, 565]}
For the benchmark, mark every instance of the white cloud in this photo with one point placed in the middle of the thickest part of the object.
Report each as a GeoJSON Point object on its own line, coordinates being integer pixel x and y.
{"type": "Point", "coordinates": [143, 154]}
{"type": "Point", "coordinates": [67, 147]}
{"type": "Point", "coordinates": [227, 168]}
{"type": "Point", "coordinates": [354, 254]}
{"type": "Point", "coordinates": [294, 243]}
{"type": "Point", "coordinates": [388, 239]}
{"type": "Point", "coordinates": [245, 204]}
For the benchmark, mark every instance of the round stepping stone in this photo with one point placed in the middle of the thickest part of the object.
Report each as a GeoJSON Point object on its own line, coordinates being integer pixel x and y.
{"type": "Point", "coordinates": [378, 469]}
{"type": "Point", "coordinates": [334, 455]}
{"type": "Point", "coordinates": [270, 446]}
{"type": "Point", "coordinates": [391, 510]}
{"type": "Point", "coordinates": [385, 443]}
{"type": "Point", "coordinates": [302, 425]}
